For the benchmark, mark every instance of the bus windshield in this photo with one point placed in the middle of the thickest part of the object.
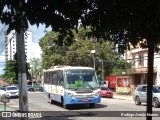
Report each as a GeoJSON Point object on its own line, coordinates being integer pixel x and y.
{"type": "Point", "coordinates": [81, 79]}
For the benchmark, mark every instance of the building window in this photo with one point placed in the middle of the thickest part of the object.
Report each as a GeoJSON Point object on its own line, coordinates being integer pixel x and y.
{"type": "Point", "coordinates": [137, 80]}
{"type": "Point", "coordinates": [141, 60]}
{"type": "Point", "coordinates": [134, 60]}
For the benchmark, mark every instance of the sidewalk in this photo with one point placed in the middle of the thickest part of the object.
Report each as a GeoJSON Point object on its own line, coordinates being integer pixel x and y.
{"type": "Point", "coordinates": [122, 97]}
{"type": "Point", "coordinates": [11, 106]}
{"type": "Point", "coordinates": [7, 108]}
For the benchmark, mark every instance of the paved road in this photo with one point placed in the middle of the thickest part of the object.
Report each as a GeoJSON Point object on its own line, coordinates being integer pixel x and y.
{"type": "Point", "coordinates": [107, 107]}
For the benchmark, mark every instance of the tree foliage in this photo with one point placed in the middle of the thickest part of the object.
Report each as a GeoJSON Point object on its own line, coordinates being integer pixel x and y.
{"type": "Point", "coordinates": [79, 53]}
{"type": "Point", "coordinates": [10, 72]}
{"type": "Point", "coordinates": [35, 68]}
{"type": "Point", "coordinates": [127, 20]}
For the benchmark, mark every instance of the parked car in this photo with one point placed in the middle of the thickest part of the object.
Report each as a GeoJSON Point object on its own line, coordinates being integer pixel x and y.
{"type": "Point", "coordinates": [2, 91]}
{"type": "Point", "coordinates": [106, 92]}
{"type": "Point", "coordinates": [158, 87]}
{"type": "Point", "coordinates": [30, 88]}
{"type": "Point", "coordinates": [3, 88]}
{"type": "Point", "coordinates": [10, 91]}
{"type": "Point", "coordinates": [39, 88]}
{"type": "Point", "coordinates": [140, 95]}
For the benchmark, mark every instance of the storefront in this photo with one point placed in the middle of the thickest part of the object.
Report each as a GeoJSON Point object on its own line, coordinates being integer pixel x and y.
{"type": "Point", "coordinates": [123, 84]}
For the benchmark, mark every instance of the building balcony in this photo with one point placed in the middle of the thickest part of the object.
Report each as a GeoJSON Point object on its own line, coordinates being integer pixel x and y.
{"type": "Point", "coordinates": [141, 70]}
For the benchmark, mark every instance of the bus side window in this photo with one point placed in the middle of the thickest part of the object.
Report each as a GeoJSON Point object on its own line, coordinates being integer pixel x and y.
{"type": "Point", "coordinates": [54, 79]}
{"type": "Point", "coordinates": [47, 77]}
{"type": "Point", "coordinates": [60, 78]}
{"type": "Point", "coordinates": [50, 77]}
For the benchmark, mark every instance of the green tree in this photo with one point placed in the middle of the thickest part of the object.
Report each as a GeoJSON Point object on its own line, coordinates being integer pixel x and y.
{"type": "Point", "coordinates": [10, 72]}
{"type": "Point", "coordinates": [79, 53]}
{"type": "Point", "coordinates": [120, 66]}
{"type": "Point", "coordinates": [35, 69]}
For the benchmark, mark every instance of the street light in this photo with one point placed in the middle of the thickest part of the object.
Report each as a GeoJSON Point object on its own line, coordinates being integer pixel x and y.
{"type": "Point", "coordinates": [93, 52]}
{"type": "Point", "coordinates": [100, 60]}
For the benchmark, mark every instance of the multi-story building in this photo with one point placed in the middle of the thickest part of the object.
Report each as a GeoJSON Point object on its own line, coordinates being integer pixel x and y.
{"type": "Point", "coordinates": [10, 45]}
{"type": "Point", "coordinates": [139, 69]}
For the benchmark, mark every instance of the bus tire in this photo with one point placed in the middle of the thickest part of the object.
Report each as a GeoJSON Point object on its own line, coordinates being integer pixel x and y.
{"type": "Point", "coordinates": [63, 104]}
{"type": "Point", "coordinates": [91, 105]}
{"type": "Point", "coordinates": [51, 101]}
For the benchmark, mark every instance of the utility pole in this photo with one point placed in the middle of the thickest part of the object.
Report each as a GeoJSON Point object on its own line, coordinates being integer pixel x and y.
{"type": "Point", "coordinates": [94, 40]}
{"type": "Point", "coordinates": [22, 77]}
{"type": "Point", "coordinates": [102, 70]}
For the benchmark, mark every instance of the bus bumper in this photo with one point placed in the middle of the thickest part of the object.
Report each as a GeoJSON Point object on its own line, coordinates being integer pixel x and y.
{"type": "Point", "coordinates": [73, 100]}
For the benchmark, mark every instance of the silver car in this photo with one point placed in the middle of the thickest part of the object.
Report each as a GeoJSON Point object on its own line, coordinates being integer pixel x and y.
{"type": "Point", "coordinates": [11, 91]}
{"type": "Point", "coordinates": [140, 95]}
{"type": "Point", "coordinates": [158, 87]}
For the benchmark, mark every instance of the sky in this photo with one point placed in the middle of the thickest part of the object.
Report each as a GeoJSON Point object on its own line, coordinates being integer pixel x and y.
{"type": "Point", "coordinates": [37, 34]}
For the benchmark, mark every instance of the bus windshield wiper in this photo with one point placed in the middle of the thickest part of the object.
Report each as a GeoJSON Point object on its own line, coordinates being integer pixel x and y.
{"type": "Point", "coordinates": [89, 85]}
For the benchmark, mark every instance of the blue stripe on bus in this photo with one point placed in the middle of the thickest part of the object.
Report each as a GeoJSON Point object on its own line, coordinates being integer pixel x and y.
{"type": "Point", "coordinates": [71, 100]}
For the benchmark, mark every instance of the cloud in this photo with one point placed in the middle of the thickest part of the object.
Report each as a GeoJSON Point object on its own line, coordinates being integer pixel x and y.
{"type": "Point", "coordinates": [2, 63]}
{"type": "Point", "coordinates": [38, 32]}
{"type": "Point", "coordinates": [2, 58]}
{"type": "Point", "coordinates": [36, 50]}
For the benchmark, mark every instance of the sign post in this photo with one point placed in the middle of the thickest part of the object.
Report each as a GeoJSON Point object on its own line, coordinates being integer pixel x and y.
{"type": "Point", "coordinates": [5, 99]}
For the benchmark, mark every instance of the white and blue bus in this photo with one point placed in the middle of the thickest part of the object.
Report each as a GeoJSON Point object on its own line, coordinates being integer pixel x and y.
{"type": "Point", "coordinates": [71, 85]}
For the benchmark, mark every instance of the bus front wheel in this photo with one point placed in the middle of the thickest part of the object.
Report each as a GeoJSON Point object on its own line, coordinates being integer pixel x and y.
{"type": "Point", "coordinates": [63, 104]}
{"type": "Point", "coordinates": [91, 105]}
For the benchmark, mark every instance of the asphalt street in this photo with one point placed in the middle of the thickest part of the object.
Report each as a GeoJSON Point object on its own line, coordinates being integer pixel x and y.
{"type": "Point", "coordinates": [108, 108]}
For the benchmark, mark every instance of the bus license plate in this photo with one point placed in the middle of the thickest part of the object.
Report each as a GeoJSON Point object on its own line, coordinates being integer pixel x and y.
{"type": "Point", "coordinates": [85, 100]}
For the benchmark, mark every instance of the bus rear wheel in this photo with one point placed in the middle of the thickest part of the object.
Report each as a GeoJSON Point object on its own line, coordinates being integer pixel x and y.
{"type": "Point", "coordinates": [51, 101]}
{"type": "Point", "coordinates": [91, 105]}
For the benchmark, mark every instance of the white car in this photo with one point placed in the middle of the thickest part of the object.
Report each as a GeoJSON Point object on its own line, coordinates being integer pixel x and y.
{"type": "Point", "coordinates": [2, 92]}
{"type": "Point", "coordinates": [10, 91]}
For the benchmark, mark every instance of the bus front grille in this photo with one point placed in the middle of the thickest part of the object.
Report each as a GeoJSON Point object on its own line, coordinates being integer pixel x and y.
{"type": "Point", "coordinates": [84, 96]}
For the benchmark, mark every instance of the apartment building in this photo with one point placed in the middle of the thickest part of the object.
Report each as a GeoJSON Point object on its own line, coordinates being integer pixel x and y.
{"type": "Point", "coordinates": [139, 69]}
{"type": "Point", "coordinates": [10, 45]}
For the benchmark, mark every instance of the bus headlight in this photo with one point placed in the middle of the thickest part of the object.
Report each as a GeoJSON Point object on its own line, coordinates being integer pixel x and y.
{"type": "Point", "coordinates": [71, 94]}
{"type": "Point", "coordinates": [97, 93]}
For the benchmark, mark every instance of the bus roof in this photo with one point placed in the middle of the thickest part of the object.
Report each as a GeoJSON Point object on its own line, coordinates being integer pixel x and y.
{"type": "Point", "coordinates": [67, 67]}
